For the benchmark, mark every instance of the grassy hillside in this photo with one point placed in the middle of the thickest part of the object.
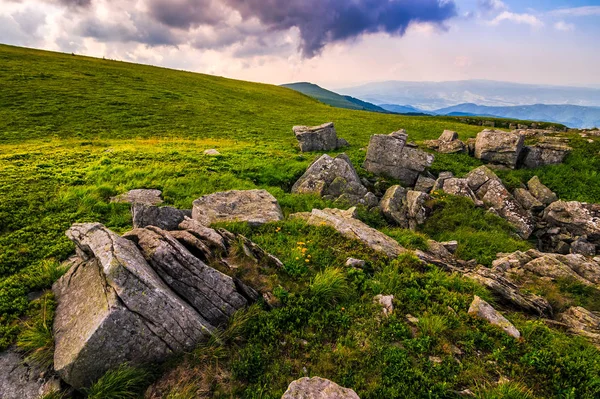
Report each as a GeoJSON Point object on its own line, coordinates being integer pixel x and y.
{"type": "Point", "coordinates": [75, 131]}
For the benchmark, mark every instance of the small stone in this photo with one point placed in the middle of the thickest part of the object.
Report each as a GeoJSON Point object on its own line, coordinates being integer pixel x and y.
{"type": "Point", "coordinates": [448, 136]}
{"type": "Point", "coordinates": [212, 152]}
{"type": "Point", "coordinates": [387, 302]}
{"type": "Point", "coordinates": [435, 359]}
{"type": "Point", "coordinates": [355, 263]}
{"type": "Point", "coordinates": [412, 319]}
{"type": "Point", "coordinates": [451, 246]}
{"type": "Point", "coordinates": [317, 388]}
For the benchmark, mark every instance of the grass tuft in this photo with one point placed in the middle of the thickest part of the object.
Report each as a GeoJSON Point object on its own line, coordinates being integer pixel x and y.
{"type": "Point", "coordinates": [330, 286]}
{"type": "Point", "coordinates": [124, 382]}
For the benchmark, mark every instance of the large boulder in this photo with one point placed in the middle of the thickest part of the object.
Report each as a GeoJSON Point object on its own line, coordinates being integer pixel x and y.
{"type": "Point", "coordinates": [390, 155]}
{"type": "Point", "coordinates": [317, 388]}
{"type": "Point", "coordinates": [211, 293]}
{"type": "Point", "coordinates": [318, 138]}
{"type": "Point", "coordinates": [114, 307]}
{"type": "Point", "coordinates": [394, 206]}
{"type": "Point", "coordinates": [350, 227]}
{"type": "Point", "coordinates": [549, 151]}
{"type": "Point", "coordinates": [489, 188]}
{"type": "Point", "coordinates": [484, 310]}
{"type": "Point", "coordinates": [527, 200]}
{"type": "Point", "coordinates": [164, 217]}
{"type": "Point", "coordinates": [332, 178]}
{"type": "Point", "coordinates": [574, 217]}
{"type": "Point", "coordinates": [140, 196]}
{"type": "Point", "coordinates": [256, 207]}
{"type": "Point", "coordinates": [498, 147]}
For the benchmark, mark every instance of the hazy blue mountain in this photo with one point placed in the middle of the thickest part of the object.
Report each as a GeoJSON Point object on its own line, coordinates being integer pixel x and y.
{"type": "Point", "coordinates": [434, 95]}
{"type": "Point", "coordinates": [570, 115]}
{"type": "Point", "coordinates": [403, 109]}
{"type": "Point", "coordinates": [332, 98]}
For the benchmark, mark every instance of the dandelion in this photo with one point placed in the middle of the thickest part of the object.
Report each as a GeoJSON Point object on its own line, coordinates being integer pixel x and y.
{"type": "Point", "coordinates": [297, 258]}
{"type": "Point", "coordinates": [307, 260]}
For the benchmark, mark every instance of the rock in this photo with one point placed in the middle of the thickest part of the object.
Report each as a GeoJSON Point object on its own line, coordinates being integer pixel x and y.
{"type": "Point", "coordinates": [165, 217]}
{"type": "Point", "coordinates": [208, 236]}
{"type": "Point", "coordinates": [488, 188]}
{"type": "Point", "coordinates": [115, 307]}
{"type": "Point", "coordinates": [333, 178]}
{"type": "Point", "coordinates": [498, 147]}
{"type": "Point", "coordinates": [439, 183]}
{"type": "Point", "coordinates": [581, 321]}
{"type": "Point", "coordinates": [19, 380]}
{"type": "Point", "coordinates": [452, 147]}
{"type": "Point", "coordinates": [471, 146]}
{"type": "Point", "coordinates": [345, 223]}
{"type": "Point", "coordinates": [318, 138]}
{"type": "Point", "coordinates": [509, 292]}
{"type": "Point", "coordinates": [212, 152]}
{"type": "Point", "coordinates": [451, 246]}
{"type": "Point", "coordinates": [389, 155]}
{"type": "Point", "coordinates": [583, 247]}
{"type": "Point", "coordinates": [394, 206]}
{"type": "Point", "coordinates": [577, 218]}
{"type": "Point", "coordinates": [355, 263]}
{"type": "Point", "coordinates": [213, 294]}
{"type": "Point", "coordinates": [417, 208]}
{"type": "Point", "coordinates": [256, 207]}
{"type": "Point", "coordinates": [448, 136]}
{"type": "Point", "coordinates": [140, 196]}
{"type": "Point", "coordinates": [424, 184]}
{"type": "Point", "coordinates": [541, 192]}
{"type": "Point", "coordinates": [549, 151]}
{"type": "Point", "coordinates": [528, 201]}
{"type": "Point", "coordinates": [553, 267]}
{"type": "Point", "coordinates": [317, 388]}
{"type": "Point", "coordinates": [387, 301]}
{"type": "Point", "coordinates": [460, 188]}
{"type": "Point", "coordinates": [484, 310]}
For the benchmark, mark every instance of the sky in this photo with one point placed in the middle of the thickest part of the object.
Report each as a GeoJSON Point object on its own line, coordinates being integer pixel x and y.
{"type": "Point", "coordinates": [334, 43]}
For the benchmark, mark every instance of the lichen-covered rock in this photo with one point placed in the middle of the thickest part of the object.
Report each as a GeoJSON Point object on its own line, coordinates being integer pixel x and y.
{"type": "Point", "coordinates": [114, 307]}
{"type": "Point", "coordinates": [582, 322]}
{"type": "Point", "coordinates": [582, 247]}
{"type": "Point", "coordinates": [484, 310]}
{"type": "Point", "coordinates": [418, 209]}
{"type": "Point", "coordinates": [394, 206]}
{"type": "Point", "coordinates": [424, 184]}
{"type": "Point", "coordinates": [140, 196]}
{"type": "Point", "coordinates": [499, 147]}
{"type": "Point", "coordinates": [549, 151]}
{"type": "Point", "coordinates": [527, 200]}
{"type": "Point", "coordinates": [575, 217]}
{"type": "Point", "coordinates": [389, 155]}
{"type": "Point", "coordinates": [213, 294]}
{"type": "Point", "coordinates": [318, 138]}
{"type": "Point", "coordinates": [317, 388]}
{"type": "Point", "coordinates": [448, 136]}
{"type": "Point", "coordinates": [541, 192]}
{"type": "Point", "coordinates": [164, 217]}
{"type": "Point", "coordinates": [333, 178]}
{"type": "Point", "coordinates": [19, 380]}
{"type": "Point", "coordinates": [256, 207]}
{"type": "Point", "coordinates": [387, 302]}
{"type": "Point", "coordinates": [355, 263]}
{"type": "Point", "coordinates": [346, 224]}
{"type": "Point", "coordinates": [452, 147]}
{"type": "Point", "coordinates": [460, 188]}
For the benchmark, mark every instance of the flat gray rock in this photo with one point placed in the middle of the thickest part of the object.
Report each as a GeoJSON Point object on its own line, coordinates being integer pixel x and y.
{"type": "Point", "coordinates": [317, 388]}
{"type": "Point", "coordinates": [256, 207]}
{"type": "Point", "coordinates": [164, 217]}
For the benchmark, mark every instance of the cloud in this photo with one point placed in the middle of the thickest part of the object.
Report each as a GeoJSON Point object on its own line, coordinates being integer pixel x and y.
{"type": "Point", "coordinates": [490, 6]}
{"type": "Point", "coordinates": [563, 26]}
{"type": "Point", "coordinates": [577, 11]}
{"type": "Point", "coordinates": [528, 19]}
{"type": "Point", "coordinates": [327, 21]}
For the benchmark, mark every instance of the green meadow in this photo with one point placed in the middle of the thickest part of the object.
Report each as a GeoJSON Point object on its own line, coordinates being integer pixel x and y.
{"type": "Point", "coordinates": [75, 131]}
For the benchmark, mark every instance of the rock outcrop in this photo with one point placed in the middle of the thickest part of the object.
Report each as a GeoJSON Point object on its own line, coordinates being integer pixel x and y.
{"type": "Point", "coordinates": [484, 310]}
{"type": "Point", "coordinates": [582, 322]}
{"type": "Point", "coordinates": [317, 388]}
{"type": "Point", "coordinates": [386, 302]}
{"type": "Point", "coordinates": [350, 227]}
{"type": "Point", "coordinates": [548, 151]}
{"type": "Point", "coordinates": [140, 196]}
{"type": "Point", "coordinates": [19, 380]}
{"type": "Point", "coordinates": [253, 206]}
{"type": "Point", "coordinates": [489, 189]}
{"type": "Point", "coordinates": [448, 143]}
{"type": "Point", "coordinates": [390, 156]}
{"type": "Point", "coordinates": [164, 217]}
{"type": "Point", "coordinates": [499, 147]}
{"type": "Point", "coordinates": [318, 138]}
{"type": "Point", "coordinates": [334, 179]}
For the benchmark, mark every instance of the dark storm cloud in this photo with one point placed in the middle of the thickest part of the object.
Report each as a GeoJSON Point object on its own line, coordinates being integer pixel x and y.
{"type": "Point", "coordinates": [185, 14]}
{"type": "Point", "coordinates": [324, 21]}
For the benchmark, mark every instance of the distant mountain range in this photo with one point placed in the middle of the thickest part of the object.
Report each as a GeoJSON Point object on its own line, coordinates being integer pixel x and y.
{"type": "Point", "coordinates": [435, 95]}
{"type": "Point", "coordinates": [488, 93]}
